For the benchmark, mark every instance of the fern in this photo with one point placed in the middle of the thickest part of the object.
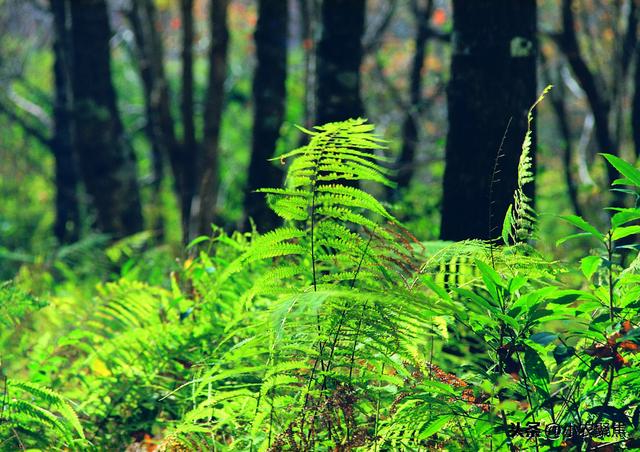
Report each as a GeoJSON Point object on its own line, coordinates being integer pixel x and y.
{"type": "Point", "coordinates": [519, 222]}
{"type": "Point", "coordinates": [331, 290]}
{"type": "Point", "coordinates": [15, 303]}
{"type": "Point", "coordinates": [339, 302]}
{"type": "Point", "coordinates": [33, 413]}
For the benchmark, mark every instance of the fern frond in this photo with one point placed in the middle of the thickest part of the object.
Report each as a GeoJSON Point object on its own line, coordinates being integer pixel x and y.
{"type": "Point", "coordinates": [520, 220]}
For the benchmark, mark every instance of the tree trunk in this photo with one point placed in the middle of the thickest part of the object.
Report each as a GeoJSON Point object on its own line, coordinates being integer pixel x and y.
{"type": "Point", "coordinates": [106, 160]}
{"type": "Point", "coordinates": [210, 178]}
{"type": "Point", "coordinates": [269, 93]}
{"type": "Point", "coordinates": [160, 124]}
{"type": "Point", "coordinates": [558, 102]}
{"type": "Point", "coordinates": [412, 115]}
{"type": "Point", "coordinates": [189, 176]}
{"type": "Point", "coordinates": [493, 79]}
{"type": "Point", "coordinates": [635, 111]}
{"type": "Point", "coordinates": [67, 222]}
{"type": "Point", "coordinates": [593, 88]}
{"type": "Point", "coordinates": [339, 56]}
{"type": "Point", "coordinates": [308, 13]}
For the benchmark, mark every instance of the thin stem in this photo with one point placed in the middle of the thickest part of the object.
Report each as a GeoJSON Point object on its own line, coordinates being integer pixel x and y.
{"type": "Point", "coordinates": [4, 398]}
{"type": "Point", "coordinates": [375, 427]}
{"type": "Point", "coordinates": [610, 273]}
{"type": "Point", "coordinates": [494, 181]}
{"type": "Point", "coordinates": [270, 419]}
{"type": "Point", "coordinates": [526, 387]}
{"type": "Point", "coordinates": [364, 307]}
{"type": "Point", "coordinates": [312, 215]}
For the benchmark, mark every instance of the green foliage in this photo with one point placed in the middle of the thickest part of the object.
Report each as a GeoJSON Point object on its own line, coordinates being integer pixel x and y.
{"type": "Point", "coordinates": [520, 219]}
{"type": "Point", "coordinates": [338, 330]}
{"type": "Point", "coordinates": [15, 303]}
{"type": "Point", "coordinates": [31, 414]}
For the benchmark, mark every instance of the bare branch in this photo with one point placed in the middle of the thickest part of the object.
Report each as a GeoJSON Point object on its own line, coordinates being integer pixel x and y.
{"type": "Point", "coordinates": [31, 130]}
{"type": "Point", "coordinates": [373, 40]}
{"type": "Point", "coordinates": [32, 109]}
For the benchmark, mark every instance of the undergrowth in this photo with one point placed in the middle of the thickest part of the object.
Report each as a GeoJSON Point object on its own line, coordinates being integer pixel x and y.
{"type": "Point", "coordinates": [339, 330]}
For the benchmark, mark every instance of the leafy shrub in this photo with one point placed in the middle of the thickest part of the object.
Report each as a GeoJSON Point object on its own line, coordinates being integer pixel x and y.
{"type": "Point", "coordinates": [340, 330]}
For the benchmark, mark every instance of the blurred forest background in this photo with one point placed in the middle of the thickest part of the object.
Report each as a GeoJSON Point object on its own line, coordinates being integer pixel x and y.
{"type": "Point", "coordinates": [153, 119]}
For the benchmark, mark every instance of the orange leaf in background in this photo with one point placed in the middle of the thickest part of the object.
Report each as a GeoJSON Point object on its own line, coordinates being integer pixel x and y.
{"type": "Point", "coordinates": [439, 17]}
{"type": "Point", "coordinates": [175, 23]}
{"type": "Point", "coordinates": [149, 444]}
{"type": "Point", "coordinates": [307, 44]}
{"type": "Point", "coordinates": [628, 345]}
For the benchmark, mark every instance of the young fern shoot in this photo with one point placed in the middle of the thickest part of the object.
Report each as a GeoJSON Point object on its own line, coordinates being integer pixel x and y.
{"type": "Point", "coordinates": [520, 219]}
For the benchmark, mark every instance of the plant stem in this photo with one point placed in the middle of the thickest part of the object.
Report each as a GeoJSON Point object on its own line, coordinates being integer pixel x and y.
{"type": "Point", "coordinates": [610, 273]}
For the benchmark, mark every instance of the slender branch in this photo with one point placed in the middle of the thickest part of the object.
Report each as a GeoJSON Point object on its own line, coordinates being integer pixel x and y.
{"type": "Point", "coordinates": [560, 110]}
{"type": "Point", "coordinates": [631, 37]}
{"type": "Point", "coordinates": [600, 105]}
{"type": "Point", "coordinates": [364, 306]}
{"type": "Point", "coordinates": [24, 124]}
{"type": "Point", "coordinates": [494, 180]}
{"type": "Point", "coordinates": [374, 40]}
{"type": "Point", "coordinates": [31, 108]}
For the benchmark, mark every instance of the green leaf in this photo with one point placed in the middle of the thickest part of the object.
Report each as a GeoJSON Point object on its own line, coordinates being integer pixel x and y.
{"type": "Point", "coordinates": [631, 173]}
{"type": "Point", "coordinates": [580, 223]}
{"type": "Point", "coordinates": [479, 300]}
{"type": "Point", "coordinates": [561, 353]}
{"type": "Point", "coordinates": [434, 426]}
{"type": "Point", "coordinates": [506, 225]}
{"type": "Point", "coordinates": [490, 273]}
{"type": "Point", "coordinates": [509, 321]}
{"type": "Point", "coordinates": [571, 237]}
{"type": "Point", "coordinates": [536, 370]}
{"type": "Point", "coordinates": [543, 338]}
{"type": "Point", "coordinates": [589, 265]}
{"type": "Point", "coordinates": [625, 231]}
{"type": "Point", "coordinates": [624, 216]}
{"type": "Point", "coordinates": [611, 413]}
{"type": "Point", "coordinates": [197, 240]}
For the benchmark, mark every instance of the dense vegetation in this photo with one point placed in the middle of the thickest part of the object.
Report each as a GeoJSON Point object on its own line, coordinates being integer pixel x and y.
{"type": "Point", "coordinates": [337, 330]}
{"type": "Point", "coordinates": [205, 246]}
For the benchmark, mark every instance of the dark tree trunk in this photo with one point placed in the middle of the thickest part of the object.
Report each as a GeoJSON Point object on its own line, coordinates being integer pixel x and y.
{"type": "Point", "coordinates": [635, 111]}
{"type": "Point", "coordinates": [67, 222]}
{"type": "Point", "coordinates": [339, 56]}
{"type": "Point", "coordinates": [411, 119]}
{"type": "Point", "coordinates": [493, 79]}
{"type": "Point", "coordinates": [269, 93]}
{"type": "Point", "coordinates": [160, 124]}
{"type": "Point", "coordinates": [558, 102]}
{"type": "Point", "coordinates": [189, 176]}
{"type": "Point", "coordinates": [308, 22]}
{"type": "Point", "coordinates": [106, 160]}
{"type": "Point", "coordinates": [592, 86]}
{"type": "Point", "coordinates": [210, 177]}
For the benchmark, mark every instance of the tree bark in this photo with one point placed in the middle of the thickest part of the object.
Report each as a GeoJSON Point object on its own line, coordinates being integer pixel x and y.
{"type": "Point", "coordinates": [106, 160]}
{"type": "Point", "coordinates": [339, 55]}
{"type": "Point", "coordinates": [160, 124]}
{"type": "Point", "coordinates": [635, 110]}
{"type": "Point", "coordinates": [593, 87]}
{"type": "Point", "coordinates": [269, 94]}
{"type": "Point", "coordinates": [189, 175]}
{"type": "Point", "coordinates": [493, 79]}
{"type": "Point", "coordinates": [308, 23]}
{"type": "Point", "coordinates": [210, 178]}
{"type": "Point", "coordinates": [558, 102]}
{"type": "Point", "coordinates": [410, 124]}
{"type": "Point", "coordinates": [67, 222]}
